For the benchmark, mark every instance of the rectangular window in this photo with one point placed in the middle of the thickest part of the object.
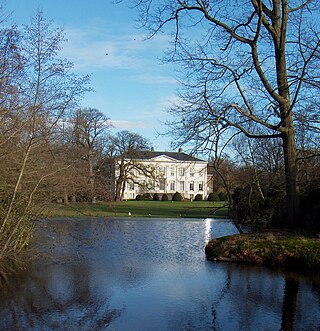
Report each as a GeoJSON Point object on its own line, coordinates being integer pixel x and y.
{"type": "Point", "coordinates": [192, 172]}
{"type": "Point", "coordinates": [172, 186]}
{"type": "Point", "coordinates": [162, 171]}
{"type": "Point", "coordinates": [181, 186]}
{"type": "Point", "coordinates": [162, 184]}
{"type": "Point", "coordinates": [181, 171]}
{"type": "Point", "coordinates": [130, 186]}
{"type": "Point", "coordinates": [172, 172]}
{"type": "Point", "coordinates": [200, 186]}
{"type": "Point", "coordinates": [191, 186]}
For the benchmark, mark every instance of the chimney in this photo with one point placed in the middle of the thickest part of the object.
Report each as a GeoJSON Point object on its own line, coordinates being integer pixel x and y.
{"type": "Point", "coordinates": [180, 150]}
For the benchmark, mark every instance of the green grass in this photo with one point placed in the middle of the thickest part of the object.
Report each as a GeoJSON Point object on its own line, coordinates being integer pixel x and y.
{"type": "Point", "coordinates": [185, 209]}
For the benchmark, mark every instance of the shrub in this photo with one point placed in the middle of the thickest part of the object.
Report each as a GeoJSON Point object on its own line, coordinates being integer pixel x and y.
{"type": "Point", "coordinates": [139, 197]}
{"type": "Point", "coordinates": [147, 196]}
{"type": "Point", "coordinates": [213, 197]}
{"type": "Point", "coordinates": [198, 197]}
{"type": "Point", "coordinates": [310, 206]}
{"type": "Point", "coordinates": [250, 208]}
{"type": "Point", "coordinates": [164, 197]}
{"type": "Point", "coordinates": [222, 196]}
{"type": "Point", "coordinates": [177, 197]}
{"type": "Point", "coordinates": [156, 197]}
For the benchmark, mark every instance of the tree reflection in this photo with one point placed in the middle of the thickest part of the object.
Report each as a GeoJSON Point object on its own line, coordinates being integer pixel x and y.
{"type": "Point", "coordinates": [59, 299]}
{"type": "Point", "coordinates": [252, 297]}
{"type": "Point", "coordinates": [289, 304]}
{"type": "Point", "coordinates": [225, 289]}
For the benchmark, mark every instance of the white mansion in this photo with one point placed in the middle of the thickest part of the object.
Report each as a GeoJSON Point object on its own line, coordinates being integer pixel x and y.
{"type": "Point", "coordinates": [164, 172]}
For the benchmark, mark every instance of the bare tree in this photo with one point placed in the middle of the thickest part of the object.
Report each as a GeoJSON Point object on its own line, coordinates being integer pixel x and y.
{"type": "Point", "coordinates": [124, 148]}
{"type": "Point", "coordinates": [90, 126]}
{"type": "Point", "coordinates": [42, 89]}
{"type": "Point", "coordinates": [246, 62]}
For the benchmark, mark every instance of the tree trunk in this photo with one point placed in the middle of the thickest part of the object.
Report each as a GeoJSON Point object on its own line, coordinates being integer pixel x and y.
{"type": "Point", "coordinates": [91, 176]}
{"type": "Point", "coordinates": [120, 180]}
{"type": "Point", "coordinates": [290, 163]}
{"type": "Point", "coordinates": [123, 189]}
{"type": "Point", "coordinates": [118, 188]}
{"type": "Point", "coordinates": [65, 196]}
{"type": "Point", "coordinates": [279, 23]}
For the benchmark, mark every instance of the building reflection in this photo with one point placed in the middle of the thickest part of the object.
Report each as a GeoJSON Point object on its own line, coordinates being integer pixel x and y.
{"type": "Point", "coordinates": [207, 236]}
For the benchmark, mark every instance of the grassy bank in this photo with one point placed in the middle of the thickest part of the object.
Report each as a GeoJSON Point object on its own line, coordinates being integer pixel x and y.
{"type": "Point", "coordinates": [185, 209]}
{"type": "Point", "coordinates": [276, 249]}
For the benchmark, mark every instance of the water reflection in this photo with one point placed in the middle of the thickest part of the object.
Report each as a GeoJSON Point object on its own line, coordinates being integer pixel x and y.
{"type": "Point", "coordinates": [207, 229]}
{"type": "Point", "coordinates": [289, 303]}
{"type": "Point", "coordinates": [150, 275]}
{"type": "Point", "coordinates": [57, 298]}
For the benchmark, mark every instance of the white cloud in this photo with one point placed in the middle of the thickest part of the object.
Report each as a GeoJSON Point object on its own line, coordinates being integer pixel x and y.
{"type": "Point", "coordinates": [154, 79]}
{"type": "Point", "coordinates": [130, 125]}
{"type": "Point", "coordinates": [96, 47]}
{"type": "Point", "coordinates": [156, 113]}
{"type": "Point", "coordinates": [88, 51]}
{"type": "Point", "coordinates": [168, 102]}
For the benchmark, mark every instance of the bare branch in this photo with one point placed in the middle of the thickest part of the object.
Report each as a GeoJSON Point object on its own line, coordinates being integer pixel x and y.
{"type": "Point", "coordinates": [303, 5]}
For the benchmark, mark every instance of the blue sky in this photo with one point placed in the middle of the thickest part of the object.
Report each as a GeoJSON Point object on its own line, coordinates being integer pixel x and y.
{"type": "Point", "coordinates": [131, 85]}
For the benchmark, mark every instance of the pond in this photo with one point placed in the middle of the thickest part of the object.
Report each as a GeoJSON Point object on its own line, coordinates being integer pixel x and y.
{"type": "Point", "coordinates": [150, 274]}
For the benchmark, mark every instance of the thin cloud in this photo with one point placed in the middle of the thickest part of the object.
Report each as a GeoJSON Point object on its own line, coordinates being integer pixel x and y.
{"type": "Point", "coordinates": [129, 125]}
{"type": "Point", "coordinates": [158, 111]}
{"type": "Point", "coordinates": [154, 79]}
{"type": "Point", "coordinates": [87, 53]}
{"type": "Point", "coordinates": [168, 102]}
{"type": "Point", "coordinates": [95, 47]}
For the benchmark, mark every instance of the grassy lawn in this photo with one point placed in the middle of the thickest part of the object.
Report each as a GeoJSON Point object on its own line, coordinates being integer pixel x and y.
{"type": "Point", "coordinates": [185, 209]}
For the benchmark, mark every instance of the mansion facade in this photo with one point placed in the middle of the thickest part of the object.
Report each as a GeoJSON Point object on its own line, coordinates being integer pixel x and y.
{"type": "Point", "coordinates": [163, 173]}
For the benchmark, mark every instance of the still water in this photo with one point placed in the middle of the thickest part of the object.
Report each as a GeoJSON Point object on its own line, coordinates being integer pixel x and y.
{"type": "Point", "coordinates": [126, 274]}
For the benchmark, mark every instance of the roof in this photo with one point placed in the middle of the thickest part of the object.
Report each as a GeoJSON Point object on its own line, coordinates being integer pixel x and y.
{"type": "Point", "coordinates": [179, 156]}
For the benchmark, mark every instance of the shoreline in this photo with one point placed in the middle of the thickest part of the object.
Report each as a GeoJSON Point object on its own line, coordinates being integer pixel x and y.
{"type": "Point", "coordinates": [274, 249]}
{"type": "Point", "coordinates": [158, 209]}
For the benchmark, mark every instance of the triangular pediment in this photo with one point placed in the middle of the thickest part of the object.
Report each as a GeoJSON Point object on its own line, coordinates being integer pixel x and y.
{"type": "Point", "coordinates": [163, 158]}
